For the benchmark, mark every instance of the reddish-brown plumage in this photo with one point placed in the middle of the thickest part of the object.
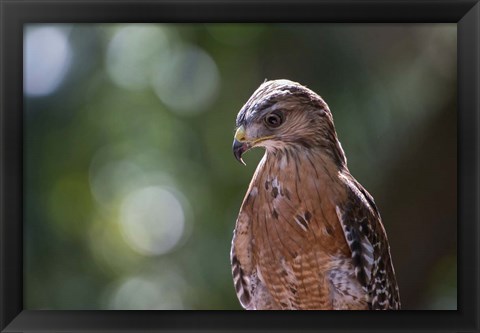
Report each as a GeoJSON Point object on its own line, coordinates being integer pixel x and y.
{"type": "Point", "coordinates": [308, 236]}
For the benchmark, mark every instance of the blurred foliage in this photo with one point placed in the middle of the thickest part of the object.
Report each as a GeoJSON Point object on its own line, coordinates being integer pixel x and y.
{"type": "Point", "coordinates": [131, 189]}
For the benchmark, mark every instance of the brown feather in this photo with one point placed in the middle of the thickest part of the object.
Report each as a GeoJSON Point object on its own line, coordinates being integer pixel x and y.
{"type": "Point", "coordinates": [308, 235]}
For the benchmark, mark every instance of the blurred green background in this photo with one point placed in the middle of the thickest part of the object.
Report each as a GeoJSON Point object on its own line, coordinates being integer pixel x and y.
{"type": "Point", "coordinates": [131, 188]}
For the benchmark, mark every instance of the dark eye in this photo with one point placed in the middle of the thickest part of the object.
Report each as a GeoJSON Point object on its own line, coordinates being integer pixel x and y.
{"type": "Point", "coordinates": [273, 119]}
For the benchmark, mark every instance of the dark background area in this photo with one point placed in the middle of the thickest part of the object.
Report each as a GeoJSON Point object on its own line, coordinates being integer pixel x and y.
{"type": "Point", "coordinates": [131, 188]}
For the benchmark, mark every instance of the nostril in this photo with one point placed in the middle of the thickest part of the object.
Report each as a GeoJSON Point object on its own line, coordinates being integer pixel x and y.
{"type": "Point", "coordinates": [240, 134]}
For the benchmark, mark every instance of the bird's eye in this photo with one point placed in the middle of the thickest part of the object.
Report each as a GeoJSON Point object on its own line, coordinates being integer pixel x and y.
{"type": "Point", "coordinates": [273, 120]}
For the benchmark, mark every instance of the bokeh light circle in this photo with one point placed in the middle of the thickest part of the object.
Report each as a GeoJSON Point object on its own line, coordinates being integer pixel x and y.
{"type": "Point", "coordinates": [147, 293]}
{"type": "Point", "coordinates": [152, 220]}
{"type": "Point", "coordinates": [187, 81]}
{"type": "Point", "coordinates": [47, 58]}
{"type": "Point", "coordinates": [132, 52]}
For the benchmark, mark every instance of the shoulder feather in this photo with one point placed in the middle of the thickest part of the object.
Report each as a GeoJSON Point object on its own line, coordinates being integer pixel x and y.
{"type": "Point", "coordinates": [368, 243]}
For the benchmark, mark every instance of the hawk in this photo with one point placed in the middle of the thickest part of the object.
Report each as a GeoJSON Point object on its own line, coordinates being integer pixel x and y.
{"type": "Point", "coordinates": [308, 235]}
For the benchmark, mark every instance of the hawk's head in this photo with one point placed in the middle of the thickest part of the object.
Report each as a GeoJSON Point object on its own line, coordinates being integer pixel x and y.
{"type": "Point", "coordinates": [284, 114]}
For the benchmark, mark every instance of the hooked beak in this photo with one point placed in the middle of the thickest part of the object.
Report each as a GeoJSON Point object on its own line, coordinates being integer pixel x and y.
{"type": "Point", "coordinates": [240, 144]}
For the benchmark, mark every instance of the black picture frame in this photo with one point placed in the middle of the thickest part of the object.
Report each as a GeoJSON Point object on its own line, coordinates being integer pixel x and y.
{"type": "Point", "coordinates": [16, 13]}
